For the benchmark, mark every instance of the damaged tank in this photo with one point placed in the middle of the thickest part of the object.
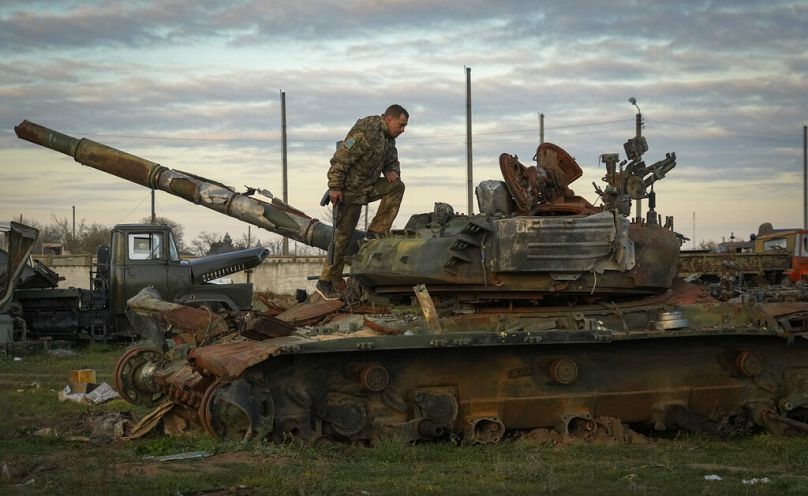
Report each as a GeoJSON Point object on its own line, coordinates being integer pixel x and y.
{"type": "Point", "coordinates": [542, 311]}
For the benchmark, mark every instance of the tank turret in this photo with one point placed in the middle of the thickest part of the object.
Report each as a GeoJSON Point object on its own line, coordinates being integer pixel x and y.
{"type": "Point", "coordinates": [533, 241]}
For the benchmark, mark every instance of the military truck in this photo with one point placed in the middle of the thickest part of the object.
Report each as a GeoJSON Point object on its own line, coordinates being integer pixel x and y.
{"type": "Point", "coordinates": [139, 255]}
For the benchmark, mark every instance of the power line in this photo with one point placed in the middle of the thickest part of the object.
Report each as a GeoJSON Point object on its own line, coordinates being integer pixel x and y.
{"type": "Point", "coordinates": [416, 138]}
{"type": "Point", "coordinates": [728, 128]}
{"type": "Point", "coordinates": [313, 140]}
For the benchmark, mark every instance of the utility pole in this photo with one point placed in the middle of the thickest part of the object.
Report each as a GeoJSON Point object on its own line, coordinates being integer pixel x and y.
{"type": "Point", "coordinates": [153, 214]}
{"type": "Point", "coordinates": [541, 128]}
{"type": "Point", "coordinates": [805, 177]}
{"type": "Point", "coordinates": [74, 222]}
{"type": "Point", "coordinates": [469, 178]}
{"type": "Point", "coordinates": [283, 157]}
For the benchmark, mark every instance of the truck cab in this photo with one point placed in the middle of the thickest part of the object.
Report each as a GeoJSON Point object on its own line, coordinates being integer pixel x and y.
{"type": "Point", "coordinates": [142, 255]}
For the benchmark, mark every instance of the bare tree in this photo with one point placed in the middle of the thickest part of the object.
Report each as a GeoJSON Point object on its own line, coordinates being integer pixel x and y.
{"type": "Point", "coordinates": [84, 238]}
{"type": "Point", "coordinates": [707, 245]}
{"type": "Point", "coordinates": [203, 243]}
{"type": "Point", "coordinates": [176, 228]}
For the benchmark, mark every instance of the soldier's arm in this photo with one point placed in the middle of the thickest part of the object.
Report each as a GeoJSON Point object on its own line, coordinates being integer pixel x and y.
{"type": "Point", "coordinates": [345, 157]}
{"type": "Point", "coordinates": [393, 164]}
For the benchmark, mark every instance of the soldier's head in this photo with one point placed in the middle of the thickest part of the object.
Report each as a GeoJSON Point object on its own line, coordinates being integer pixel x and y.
{"type": "Point", "coordinates": [396, 119]}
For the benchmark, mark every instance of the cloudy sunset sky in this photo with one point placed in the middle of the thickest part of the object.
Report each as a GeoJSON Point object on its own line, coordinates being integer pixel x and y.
{"type": "Point", "coordinates": [195, 86]}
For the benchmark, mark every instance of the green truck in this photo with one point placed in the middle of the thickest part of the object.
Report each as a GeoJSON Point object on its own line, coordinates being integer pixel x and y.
{"type": "Point", "coordinates": [139, 255]}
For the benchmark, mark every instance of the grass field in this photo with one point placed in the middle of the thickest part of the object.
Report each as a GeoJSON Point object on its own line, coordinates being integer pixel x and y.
{"type": "Point", "coordinates": [53, 461]}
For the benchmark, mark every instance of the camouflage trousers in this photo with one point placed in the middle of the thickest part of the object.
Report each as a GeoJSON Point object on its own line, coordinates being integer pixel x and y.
{"type": "Point", "coordinates": [348, 215]}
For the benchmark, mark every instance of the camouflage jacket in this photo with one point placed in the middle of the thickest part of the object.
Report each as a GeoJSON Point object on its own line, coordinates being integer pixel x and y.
{"type": "Point", "coordinates": [366, 153]}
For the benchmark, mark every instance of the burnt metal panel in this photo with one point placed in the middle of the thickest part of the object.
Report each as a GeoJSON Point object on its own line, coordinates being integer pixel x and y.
{"type": "Point", "coordinates": [562, 244]}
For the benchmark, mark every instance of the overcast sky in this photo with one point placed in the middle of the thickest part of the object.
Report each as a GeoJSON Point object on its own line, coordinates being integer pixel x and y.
{"type": "Point", "coordinates": [195, 86]}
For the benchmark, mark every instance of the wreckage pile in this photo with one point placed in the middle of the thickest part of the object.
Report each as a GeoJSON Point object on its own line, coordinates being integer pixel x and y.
{"type": "Point", "coordinates": [544, 311]}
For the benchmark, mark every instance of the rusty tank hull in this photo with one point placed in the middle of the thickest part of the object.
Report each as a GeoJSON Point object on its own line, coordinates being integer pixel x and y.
{"type": "Point", "coordinates": [702, 367]}
{"type": "Point", "coordinates": [544, 311]}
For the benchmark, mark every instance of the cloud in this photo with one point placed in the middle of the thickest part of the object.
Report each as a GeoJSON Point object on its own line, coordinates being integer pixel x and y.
{"type": "Point", "coordinates": [195, 86]}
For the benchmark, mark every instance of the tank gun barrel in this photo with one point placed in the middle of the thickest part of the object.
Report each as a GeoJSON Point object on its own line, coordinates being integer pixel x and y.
{"type": "Point", "coordinates": [275, 216]}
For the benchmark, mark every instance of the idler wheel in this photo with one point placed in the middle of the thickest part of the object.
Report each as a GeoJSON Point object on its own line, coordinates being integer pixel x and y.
{"type": "Point", "coordinates": [749, 363]}
{"type": "Point", "coordinates": [236, 411]}
{"type": "Point", "coordinates": [563, 371]}
{"type": "Point", "coordinates": [133, 376]}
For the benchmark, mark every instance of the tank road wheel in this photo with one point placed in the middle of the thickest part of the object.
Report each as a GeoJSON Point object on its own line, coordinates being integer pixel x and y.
{"type": "Point", "coordinates": [133, 376]}
{"type": "Point", "coordinates": [236, 411]}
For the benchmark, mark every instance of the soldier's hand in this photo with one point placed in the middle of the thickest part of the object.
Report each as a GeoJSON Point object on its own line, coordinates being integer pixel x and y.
{"type": "Point", "coordinates": [391, 176]}
{"type": "Point", "coordinates": [336, 196]}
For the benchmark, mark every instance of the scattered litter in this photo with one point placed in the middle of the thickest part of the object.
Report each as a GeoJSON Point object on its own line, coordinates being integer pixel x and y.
{"type": "Point", "coordinates": [755, 480]}
{"type": "Point", "coordinates": [46, 432]}
{"type": "Point", "coordinates": [712, 477]}
{"type": "Point", "coordinates": [67, 395]}
{"type": "Point", "coordinates": [98, 395]}
{"type": "Point", "coordinates": [81, 380]}
{"type": "Point", "coordinates": [33, 385]}
{"type": "Point", "coordinates": [102, 394]}
{"type": "Point", "coordinates": [110, 426]}
{"type": "Point", "coordinates": [26, 483]}
{"type": "Point", "coordinates": [190, 455]}
{"type": "Point", "coordinates": [18, 359]}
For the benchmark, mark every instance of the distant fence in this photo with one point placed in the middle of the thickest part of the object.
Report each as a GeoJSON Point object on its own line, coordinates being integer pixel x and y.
{"type": "Point", "coordinates": [278, 275]}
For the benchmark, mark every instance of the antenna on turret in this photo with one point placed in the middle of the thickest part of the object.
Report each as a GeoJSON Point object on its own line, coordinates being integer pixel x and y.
{"type": "Point", "coordinates": [638, 133]}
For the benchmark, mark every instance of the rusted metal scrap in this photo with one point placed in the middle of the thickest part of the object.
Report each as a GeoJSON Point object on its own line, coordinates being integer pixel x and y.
{"type": "Point", "coordinates": [482, 377]}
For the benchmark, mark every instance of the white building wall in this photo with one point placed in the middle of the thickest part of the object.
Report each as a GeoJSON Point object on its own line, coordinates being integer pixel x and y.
{"type": "Point", "coordinates": [277, 275]}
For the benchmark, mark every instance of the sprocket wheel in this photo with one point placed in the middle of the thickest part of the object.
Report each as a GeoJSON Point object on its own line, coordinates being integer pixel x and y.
{"type": "Point", "coordinates": [132, 376]}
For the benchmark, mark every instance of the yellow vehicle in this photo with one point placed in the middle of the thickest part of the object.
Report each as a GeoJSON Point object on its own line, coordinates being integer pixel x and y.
{"type": "Point", "coordinates": [794, 243]}
{"type": "Point", "coordinates": [771, 256]}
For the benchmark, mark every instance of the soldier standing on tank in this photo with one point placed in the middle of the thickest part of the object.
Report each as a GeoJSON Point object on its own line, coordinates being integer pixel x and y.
{"type": "Point", "coordinates": [364, 168]}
